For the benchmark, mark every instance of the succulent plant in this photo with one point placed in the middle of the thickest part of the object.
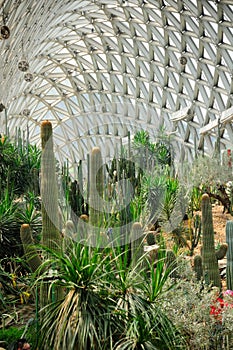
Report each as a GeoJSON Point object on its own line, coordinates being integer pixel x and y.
{"type": "Point", "coordinates": [30, 250]}
{"type": "Point", "coordinates": [209, 259]}
{"type": "Point", "coordinates": [150, 238]}
{"type": "Point", "coordinates": [197, 266]}
{"type": "Point", "coordinates": [229, 240]}
{"type": "Point", "coordinates": [96, 188]}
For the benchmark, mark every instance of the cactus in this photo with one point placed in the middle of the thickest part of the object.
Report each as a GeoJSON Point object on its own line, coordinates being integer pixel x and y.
{"type": "Point", "coordinates": [221, 252]}
{"type": "Point", "coordinates": [30, 250]}
{"type": "Point", "coordinates": [209, 259]}
{"type": "Point", "coordinates": [137, 246]}
{"type": "Point", "coordinates": [51, 236]}
{"type": "Point", "coordinates": [150, 238]}
{"type": "Point", "coordinates": [96, 188]}
{"type": "Point", "coordinates": [171, 263]}
{"type": "Point", "coordinates": [197, 266]}
{"type": "Point", "coordinates": [229, 240]}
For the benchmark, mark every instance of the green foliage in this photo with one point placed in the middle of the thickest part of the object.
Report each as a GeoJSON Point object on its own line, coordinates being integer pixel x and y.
{"type": "Point", "coordinates": [195, 233]}
{"type": "Point", "coordinates": [11, 334]}
{"type": "Point", "coordinates": [9, 227]}
{"type": "Point", "coordinates": [195, 200]}
{"type": "Point", "coordinates": [29, 213]}
{"type": "Point", "coordinates": [108, 304]}
{"type": "Point", "coordinates": [150, 154]}
{"type": "Point", "coordinates": [19, 165]}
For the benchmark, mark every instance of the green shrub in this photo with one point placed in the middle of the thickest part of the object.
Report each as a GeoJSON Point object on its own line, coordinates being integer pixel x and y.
{"type": "Point", "coordinates": [11, 334]}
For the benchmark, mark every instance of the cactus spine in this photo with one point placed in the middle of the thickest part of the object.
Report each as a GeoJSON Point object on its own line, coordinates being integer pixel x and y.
{"type": "Point", "coordinates": [229, 240]}
{"type": "Point", "coordinates": [209, 259]}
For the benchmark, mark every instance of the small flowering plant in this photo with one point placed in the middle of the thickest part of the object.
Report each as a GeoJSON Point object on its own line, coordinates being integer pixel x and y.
{"type": "Point", "coordinates": [219, 305]}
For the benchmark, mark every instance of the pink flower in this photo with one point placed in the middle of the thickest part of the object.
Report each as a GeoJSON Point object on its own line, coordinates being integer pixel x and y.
{"type": "Point", "coordinates": [228, 292]}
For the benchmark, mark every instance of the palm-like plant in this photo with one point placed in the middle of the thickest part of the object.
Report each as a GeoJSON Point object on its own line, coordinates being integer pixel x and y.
{"type": "Point", "coordinates": [138, 294]}
{"type": "Point", "coordinates": [106, 304]}
{"type": "Point", "coordinates": [83, 319]}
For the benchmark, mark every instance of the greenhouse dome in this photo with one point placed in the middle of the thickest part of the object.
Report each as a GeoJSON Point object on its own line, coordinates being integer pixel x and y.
{"type": "Point", "coordinates": [103, 68]}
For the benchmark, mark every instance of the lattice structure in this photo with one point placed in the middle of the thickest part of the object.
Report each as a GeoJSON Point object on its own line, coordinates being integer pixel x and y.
{"type": "Point", "coordinates": [98, 69]}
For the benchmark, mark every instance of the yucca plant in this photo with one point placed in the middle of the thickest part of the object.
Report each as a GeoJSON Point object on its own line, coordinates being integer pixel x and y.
{"type": "Point", "coordinates": [105, 305]}
{"type": "Point", "coordinates": [137, 294]}
{"type": "Point", "coordinates": [83, 318]}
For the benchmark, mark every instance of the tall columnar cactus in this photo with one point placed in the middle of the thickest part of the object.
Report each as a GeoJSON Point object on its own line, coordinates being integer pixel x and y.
{"type": "Point", "coordinates": [51, 232]}
{"type": "Point", "coordinates": [30, 250]}
{"type": "Point", "coordinates": [209, 259]}
{"type": "Point", "coordinates": [96, 188]}
{"type": "Point", "coordinates": [51, 236]}
{"type": "Point", "coordinates": [229, 240]}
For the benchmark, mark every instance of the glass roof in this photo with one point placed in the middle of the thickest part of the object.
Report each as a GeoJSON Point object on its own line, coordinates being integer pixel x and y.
{"type": "Point", "coordinates": [99, 69]}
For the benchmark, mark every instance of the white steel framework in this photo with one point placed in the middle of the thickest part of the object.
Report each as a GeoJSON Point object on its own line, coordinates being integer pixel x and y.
{"type": "Point", "coordinates": [98, 69]}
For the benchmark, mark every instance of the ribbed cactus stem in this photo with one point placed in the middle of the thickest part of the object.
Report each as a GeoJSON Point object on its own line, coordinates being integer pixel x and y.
{"type": "Point", "coordinates": [30, 250]}
{"type": "Point", "coordinates": [197, 266]}
{"type": "Point", "coordinates": [229, 240]}
{"type": "Point", "coordinates": [51, 236]}
{"type": "Point", "coordinates": [209, 260]}
{"type": "Point", "coordinates": [137, 246]}
{"type": "Point", "coordinates": [96, 188]}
